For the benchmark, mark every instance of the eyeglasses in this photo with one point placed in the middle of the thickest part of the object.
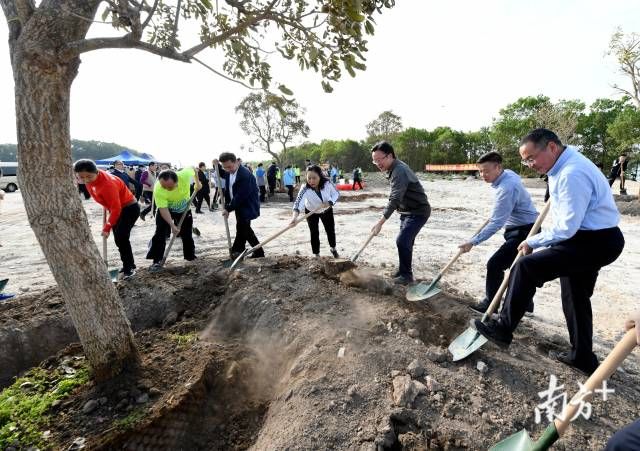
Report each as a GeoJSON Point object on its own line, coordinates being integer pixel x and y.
{"type": "Point", "coordinates": [378, 161]}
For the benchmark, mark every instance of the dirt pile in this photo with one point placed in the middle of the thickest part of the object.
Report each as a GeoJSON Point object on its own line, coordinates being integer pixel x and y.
{"type": "Point", "coordinates": [290, 357]}
{"type": "Point", "coordinates": [627, 204]}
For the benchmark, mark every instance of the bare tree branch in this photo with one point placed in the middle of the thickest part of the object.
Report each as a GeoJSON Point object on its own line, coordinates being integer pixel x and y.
{"type": "Point", "coordinates": [125, 42]}
{"type": "Point", "coordinates": [223, 75]}
{"type": "Point", "coordinates": [151, 13]}
{"type": "Point", "coordinates": [240, 27]}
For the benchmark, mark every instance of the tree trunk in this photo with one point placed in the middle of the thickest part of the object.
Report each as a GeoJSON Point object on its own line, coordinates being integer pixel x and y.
{"type": "Point", "coordinates": [43, 79]}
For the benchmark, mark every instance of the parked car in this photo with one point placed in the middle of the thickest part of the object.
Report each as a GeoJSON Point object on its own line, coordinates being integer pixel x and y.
{"type": "Point", "coordinates": [9, 176]}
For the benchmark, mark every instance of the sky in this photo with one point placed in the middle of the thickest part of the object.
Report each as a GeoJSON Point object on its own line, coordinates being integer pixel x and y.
{"type": "Point", "coordinates": [434, 63]}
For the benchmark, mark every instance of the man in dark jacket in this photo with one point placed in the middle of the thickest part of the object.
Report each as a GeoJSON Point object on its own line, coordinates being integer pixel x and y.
{"type": "Point", "coordinates": [272, 172]}
{"type": "Point", "coordinates": [242, 196]}
{"type": "Point", "coordinates": [408, 197]}
{"type": "Point", "coordinates": [203, 194]}
{"type": "Point", "coordinates": [119, 171]}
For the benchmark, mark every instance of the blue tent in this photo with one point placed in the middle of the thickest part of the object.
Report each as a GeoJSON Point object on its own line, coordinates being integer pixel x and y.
{"type": "Point", "coordinates": [127, 158]}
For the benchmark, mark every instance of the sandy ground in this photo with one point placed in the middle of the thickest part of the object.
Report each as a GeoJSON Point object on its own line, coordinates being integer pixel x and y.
{"type": "Point", "coordinates": [459, 207]}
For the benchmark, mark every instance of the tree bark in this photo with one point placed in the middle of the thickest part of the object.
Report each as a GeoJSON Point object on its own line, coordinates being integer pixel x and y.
{"type": "Point", "coordinates": [43, 73]}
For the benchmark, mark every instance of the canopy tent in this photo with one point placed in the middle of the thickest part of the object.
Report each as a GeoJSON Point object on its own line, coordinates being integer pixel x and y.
{"type": "Point", "coordinates": [127, 158]}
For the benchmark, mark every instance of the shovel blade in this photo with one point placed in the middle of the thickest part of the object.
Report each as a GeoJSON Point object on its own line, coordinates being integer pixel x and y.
{"type": "Point", "coordinates": [422, 291]}
{"type": "Point", "coordinates": [520, 441]}
{"type": "Point", "coordinates": [196, 231]}
{"type": "Point", "coordinates": [113, 274]}
{"type": "Point", "coordinates": [239, 259]}
{"type": "Point", "coordinates": [3, 283]}
{"type": "Point", "coordinates": [466, 344]}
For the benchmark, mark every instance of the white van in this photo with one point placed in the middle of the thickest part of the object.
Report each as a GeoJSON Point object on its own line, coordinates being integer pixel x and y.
{"type": "Point", "coordinates": [9, 177]}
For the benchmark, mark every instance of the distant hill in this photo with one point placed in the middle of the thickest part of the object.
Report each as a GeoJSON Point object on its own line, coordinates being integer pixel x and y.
{"type": "Point", "coordinates": [95, 150]}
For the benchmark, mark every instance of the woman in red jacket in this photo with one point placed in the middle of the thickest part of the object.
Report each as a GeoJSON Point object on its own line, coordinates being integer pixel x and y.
{"type": "Point", "coordinates": [111, 192]}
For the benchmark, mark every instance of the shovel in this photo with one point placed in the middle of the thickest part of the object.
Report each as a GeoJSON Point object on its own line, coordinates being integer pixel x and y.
{"type": "Point", "coordinates": [274, 236]}
{"type": "Point", "coordinates": [3, 284]}
{"type": "Point", "coordinates": [174, 235]}
{"type": "Point", "coordinates": [357, 254]}
{"type": "Point", "coordinates": [471, 340]}
{"type": "Point", "coordinates": [521, 441]}
{"type": "Point", "coordinates": [226, 263]}
{"type": "Point", "coordinates": [422, 291]}
{"type": "Point", "coordinates": [113, 273]}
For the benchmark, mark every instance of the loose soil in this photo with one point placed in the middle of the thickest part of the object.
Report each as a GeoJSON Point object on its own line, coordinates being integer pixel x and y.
{"type": "Point", "coordinates": [283, 355]}
{"type": "Point", "coordinates": [290, 355]}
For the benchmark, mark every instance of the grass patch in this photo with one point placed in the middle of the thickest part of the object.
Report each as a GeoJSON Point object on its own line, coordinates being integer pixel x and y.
{"type": "Point", "coordinates": [131, 419]}
{"type": "Point", "coordinates": [184, 339]}
{"type": "Point", "coordinates": [24, 405]}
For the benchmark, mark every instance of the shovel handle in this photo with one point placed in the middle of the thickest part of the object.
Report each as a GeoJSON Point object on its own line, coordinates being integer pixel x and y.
{"type": "Point", "coordinates": [357, 254]}
{"type": "Point", "coordinates": [495, 302]}
{"type": "Point", "coordinates": [221, 203]}
{"type": "Point", "coordinates": [173, 235]}
{"type": "Point", "coordinates": [455, 257]}
{"type": "Point", "coordinates": [104, 239]}
{"type": "Point", "coordinates": [602, 373]}
{"type": "Point", "coordinates": [290, 226]}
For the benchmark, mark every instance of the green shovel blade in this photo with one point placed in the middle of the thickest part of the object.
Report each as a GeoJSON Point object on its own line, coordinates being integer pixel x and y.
{"type": "Point", "coordinates": [422, 291]}
{"type": "Point", "coordinates": [466, 344]}
{"type": "Point", "coordinates": [521, 441]}
{"type": "Point", "coordinates": [3, 283]}
{"type": "Point", "coordinates": [113, 274]}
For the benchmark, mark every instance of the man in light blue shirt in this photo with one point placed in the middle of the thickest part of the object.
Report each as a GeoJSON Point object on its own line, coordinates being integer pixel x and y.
{"type": "Point", "coordinates": [513, 210]}
{"type": "Point", "coordinates": [583, 237]}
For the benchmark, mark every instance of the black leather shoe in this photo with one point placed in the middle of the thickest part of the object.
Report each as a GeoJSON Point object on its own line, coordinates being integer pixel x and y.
{"type": "Point", "coordinates": [494, 332]}
{"type": "Point", "coordinates": [563, 357]}
{"type": "Point", "coordinates": [481, 306]}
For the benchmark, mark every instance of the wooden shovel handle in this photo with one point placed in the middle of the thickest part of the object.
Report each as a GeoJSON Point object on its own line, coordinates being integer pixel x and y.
{"type": "Point", "coordinates": [173, 235]}
{"type": "Point", "coordinates": [603, 372]}
{"type": "Point", "coordinates": [455, 257]}
{"type": "Point", "coordinates": [290, 226]}
{"type": "Point", "coordinates": [495, 302]}
{"type": "Point", "coordinates": [104, 239]}
{"type": "Point", "coordinates": [357, 254]}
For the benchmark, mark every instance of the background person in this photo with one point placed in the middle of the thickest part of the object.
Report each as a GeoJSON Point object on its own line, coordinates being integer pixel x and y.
{"type": "Point", "coordinates": [171, 195]}
{"type": "Point", "coordinates": [240, 196]}
{"type": "Point", "coordinates": [111, 192]}
{"type": "Point", "coordinates": [317, 191]}
{"type": "Point", "coordinates": [408, 197]}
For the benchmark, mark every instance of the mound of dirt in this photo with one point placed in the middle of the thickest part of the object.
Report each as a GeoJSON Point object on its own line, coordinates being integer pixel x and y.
{"type": "Point", "coordinates": [290, 357]}
{"type": "Point", "coordinates": [627, 204]}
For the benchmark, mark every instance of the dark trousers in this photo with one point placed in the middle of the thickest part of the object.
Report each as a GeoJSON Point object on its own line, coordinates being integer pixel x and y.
{"type": "Point", "coordinates": [82, 189]}
{"type": "Point", "coordinates": [329, 227]}
{"type": "Point", "coordinates": [410, 226]}
{"type": "Point", "coordinates": [202, 195]}
{"type": "Point", "coordinates": [626, 439]}
{"type": "Point", "coordinates": [122, 232]}
{"type": "Point", "coordinates": [147, 196]}
{"type": "Point", "coordinates": [159, 240]}
{"type": "Point", "coordinates": [244, 234]}
{"type": "Point", "coordinates": [503, 258]}
{"type": "Point", "coordinates": [576, 262]}
{"type": "Point", "coordinates": [272, 185]}
{"type": "Point", "coordinates": [290, 192]}
{"type": "Point", "coordinates": [263, 193]}
{"type": "Point", "coordinates": [297, 179]}
{"type": "Point", "coordinates": [354, 185]}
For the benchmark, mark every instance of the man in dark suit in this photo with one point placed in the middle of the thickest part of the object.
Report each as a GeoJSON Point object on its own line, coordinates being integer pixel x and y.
{"type": "Point", "coordinates": [241, 195]}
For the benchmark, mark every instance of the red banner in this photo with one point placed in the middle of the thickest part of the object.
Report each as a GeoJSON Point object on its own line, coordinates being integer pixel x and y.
{"type": "Point", "coordinates": [450, 167]}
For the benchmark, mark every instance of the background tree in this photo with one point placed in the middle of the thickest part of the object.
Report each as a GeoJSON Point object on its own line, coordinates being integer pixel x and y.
{"type": "Point", "coordinates": [290, 124]}
{"type": "Point", "coordinates": [385, 127]}
{"type": "Point", "coordinates": [626, 50]}
{"type": "Point", "coordinates": [45, 44]}
{"type": "Point", "coordinates": [260, 119]}
{"type": "Point", "coordinates": [593, 128]}
{"type": "Point", "coordinates": [561, 117]}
